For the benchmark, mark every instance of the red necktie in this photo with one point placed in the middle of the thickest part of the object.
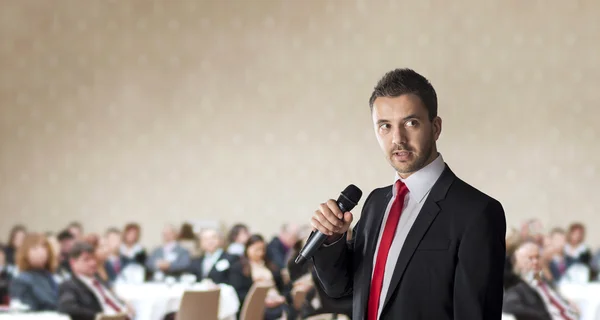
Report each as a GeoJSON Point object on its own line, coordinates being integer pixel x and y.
{"type": "Point", "coordinates": [561, 308]}
{"type": "Point", "coordinates": [107, 300]}
{"type": "Point", "coordinates": [384, 248]}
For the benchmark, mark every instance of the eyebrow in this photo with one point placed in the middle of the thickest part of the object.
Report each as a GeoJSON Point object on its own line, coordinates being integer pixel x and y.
{"type": "Point", "coordinates": [411, 116]}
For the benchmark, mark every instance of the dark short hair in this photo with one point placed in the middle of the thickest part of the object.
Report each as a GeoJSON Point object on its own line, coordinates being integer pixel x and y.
{"type": "Point", "coordinates": [113, 230]}
{"type": "Point", "coordinates": [80, 248]}
{"type": "Point", "coordinates": [406, 81]}
{"type": "Point", "coordinates": [65, 235]}
{"type": "Point", "coordinates": [235, 231]}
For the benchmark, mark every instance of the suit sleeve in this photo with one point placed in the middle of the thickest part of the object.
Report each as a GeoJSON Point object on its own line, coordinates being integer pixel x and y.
{"type": "Point", "coordinates": [21, 289]}
{"type": "Point", "coordinates": [68, 304]}
{"type": "Point", "coordinates": [333, 263]}
{"type": "Point", "coordinates": [182, 262]}
{"type": "Point", "coordinates": [514, 304]}
{"type": "Point", "coordinates": [478, 279]}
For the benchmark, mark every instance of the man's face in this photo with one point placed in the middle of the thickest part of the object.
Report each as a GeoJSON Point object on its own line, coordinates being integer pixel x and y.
{"type": "Point", "coordinates": [113, 241]}
{"type": "Point", "coordinates": [528, 258]}
{"type": "Point", "coordinates": [558, 241]}
{"type": "Point", "coordinates": [66, 245]}
{"type": "Point", "coordinates": [85, 265]}
{"type": "Point", "coordinates": [404, 132]}
{"type": "Point", "coordinates": [169, 234]}
{"type": "Point", "coordinates": [210, 241]}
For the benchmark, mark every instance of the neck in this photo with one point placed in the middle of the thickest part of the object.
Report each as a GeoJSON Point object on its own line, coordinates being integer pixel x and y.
{"type": "Point", "coordinates": [434, 155]}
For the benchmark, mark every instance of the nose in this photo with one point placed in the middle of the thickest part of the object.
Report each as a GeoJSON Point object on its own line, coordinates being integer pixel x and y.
{"type": "Point", "coordinates": [398, 135]}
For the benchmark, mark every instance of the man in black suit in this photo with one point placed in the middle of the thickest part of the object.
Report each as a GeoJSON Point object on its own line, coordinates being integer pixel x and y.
{"type": "Point", "coordinates": [85, 295]}
{"type": "Point", "coordinates": [428, 247]}
{"type": "Point", "coordinates": [214, 263]}
{"type": "Point", "coordinates": [532, 297]}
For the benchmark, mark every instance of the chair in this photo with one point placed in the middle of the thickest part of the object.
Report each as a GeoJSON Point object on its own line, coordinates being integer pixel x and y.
{"type": "Point", "coordinates": [199, 304]}
{"type": "Point", "coordinates": [120, 316]}
{"type": "Point", "coordinates": [254, 304]}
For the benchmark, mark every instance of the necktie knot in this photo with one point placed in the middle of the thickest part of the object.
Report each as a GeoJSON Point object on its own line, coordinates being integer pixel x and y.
{"type": "Point", "coordinates": [401, 188]}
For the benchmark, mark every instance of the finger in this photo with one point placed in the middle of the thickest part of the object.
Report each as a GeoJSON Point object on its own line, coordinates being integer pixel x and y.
{"type": "Point", "coordinates": [327, 224]}
{"type": "Point", "coordinates": [328, 218]}
{"type": "Point", "coordinates": [333, 206]}
{"type": "Point", "coordinates": [348, 217]}
{"type": "Point", "coordinates": [318, 226]}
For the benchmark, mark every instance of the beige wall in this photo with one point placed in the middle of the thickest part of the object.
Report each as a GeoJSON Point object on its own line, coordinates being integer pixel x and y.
{"type": "Point", "coordinates": [256, 111]}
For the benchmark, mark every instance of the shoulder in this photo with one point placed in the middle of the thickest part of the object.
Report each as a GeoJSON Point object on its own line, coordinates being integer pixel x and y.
{"type": "Point", "coordinates": [25, 277]}
{"type": "Point", "coordinates": [378, 194]}
{"type": "Point", "coordinates": [471, 200]}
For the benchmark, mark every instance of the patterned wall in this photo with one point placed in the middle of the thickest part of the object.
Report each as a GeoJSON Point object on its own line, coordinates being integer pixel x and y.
{"type": "Point", "coordinates": [163, 111]}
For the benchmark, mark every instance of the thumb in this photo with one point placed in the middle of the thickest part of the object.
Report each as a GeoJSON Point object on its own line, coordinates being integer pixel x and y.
{"type": "Point", "coordinates": [348, 218]}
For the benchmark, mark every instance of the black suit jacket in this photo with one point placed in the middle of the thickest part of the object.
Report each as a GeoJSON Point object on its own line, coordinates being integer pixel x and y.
{"type": "Point", "coordinates": [523, 302]}
{"type": "Point", "coordinates": [216, 275]}
{"type": "Point", "coordinates": [77, 300]}
{"type": "Point", "coordinates": [450, 266]}
{"type": "Point", "coordinates": [278, 252]}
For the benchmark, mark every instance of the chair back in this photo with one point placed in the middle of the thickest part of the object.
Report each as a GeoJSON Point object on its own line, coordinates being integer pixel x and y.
{"type": "Point", "coordinates": [253, 307]}
{"type": "Point", "coordinates": [199, 305]}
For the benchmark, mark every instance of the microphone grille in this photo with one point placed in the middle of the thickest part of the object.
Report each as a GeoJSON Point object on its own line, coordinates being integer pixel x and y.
{"type": "Point", "coordinates": [352, 193]}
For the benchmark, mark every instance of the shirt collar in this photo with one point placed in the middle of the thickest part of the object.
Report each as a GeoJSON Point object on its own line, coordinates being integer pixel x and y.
{"type": "Point", "coordinates": [420, 183]}
{"type": "Point", "coordinates": [215, 254]}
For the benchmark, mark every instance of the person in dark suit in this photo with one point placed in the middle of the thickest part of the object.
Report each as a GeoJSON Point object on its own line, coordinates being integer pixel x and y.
{"type": "Point", "coordinates": [280, 246]}
{"type": "Point", "coordinates": [35, 285]}
{"type": "Point", "coordinates": [255, 266]}
{"type": "Point", "coordinates": [214, 263]}
{"type": "Point", "coordinates": [430, 246]}
{"type": "Point", "coordinates": [85, 295]}
{"type": "Point", "coordinates": [5, 277]}
{"type": "Point", "coordinates": [531, 297]}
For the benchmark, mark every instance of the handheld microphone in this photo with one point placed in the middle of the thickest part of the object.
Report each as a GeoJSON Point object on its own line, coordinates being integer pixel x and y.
{"type": "Point", "coordinates": [347, 201]}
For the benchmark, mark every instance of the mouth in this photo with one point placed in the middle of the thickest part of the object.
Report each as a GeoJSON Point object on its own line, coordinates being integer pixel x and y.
{"type": "Point", "coordinates": [401, 155]}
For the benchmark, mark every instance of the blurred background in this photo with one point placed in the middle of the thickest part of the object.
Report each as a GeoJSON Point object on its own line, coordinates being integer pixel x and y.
{"type": "Point", "coordinates": [214, 113]}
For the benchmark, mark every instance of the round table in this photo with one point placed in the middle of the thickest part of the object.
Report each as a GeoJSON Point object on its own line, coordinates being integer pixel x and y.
{"type": "Point", "coordinates": [152, 301]}
{"type": "Point", "coordinates": [34, 316]}
{"type": "Point", "coordinates": [586, 296]}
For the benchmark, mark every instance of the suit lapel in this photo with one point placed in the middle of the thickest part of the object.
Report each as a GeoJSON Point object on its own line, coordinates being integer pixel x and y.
{"type": "Point", "coordinates": [374, 218]}
{"type": "Point", "coordinates": [428, 213]}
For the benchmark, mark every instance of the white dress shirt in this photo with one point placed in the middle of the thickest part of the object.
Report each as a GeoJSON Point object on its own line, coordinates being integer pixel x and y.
{"type": "Point", "coordinates": [554, 302]}
{"type": "Point", "coordinates": [419, 185]}
{"type": "Point", "coordinates": [209, 261]}
{"type": "Point", "coordinates": [106, 309]}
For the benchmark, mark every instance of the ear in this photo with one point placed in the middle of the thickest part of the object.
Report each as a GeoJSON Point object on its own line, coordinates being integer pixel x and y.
{"type": "Point", "coordinates": [437, 127]}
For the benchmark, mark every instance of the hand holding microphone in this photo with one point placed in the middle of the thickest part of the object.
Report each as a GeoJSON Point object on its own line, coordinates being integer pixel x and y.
{"type": "Point", "coordinates": [330, 222]}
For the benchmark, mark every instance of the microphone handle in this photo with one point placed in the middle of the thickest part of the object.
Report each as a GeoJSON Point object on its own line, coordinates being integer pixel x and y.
{"type": "Point", "coordinates": [315, 241]}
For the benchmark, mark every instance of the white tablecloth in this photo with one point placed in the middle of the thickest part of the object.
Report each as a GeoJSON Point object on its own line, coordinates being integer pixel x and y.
{"type": "Point", "coordinates": [152, 301]}
{"type": "Point", "coordinates": [34, 316]}
{"type": "Point", "coordinates": [586, 296]}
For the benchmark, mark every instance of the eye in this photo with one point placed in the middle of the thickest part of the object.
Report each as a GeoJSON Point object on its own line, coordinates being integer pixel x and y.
{"type": "Point", "coordinates": [384, 126]}
{"type": "Point", "coordinates": [411, 123]}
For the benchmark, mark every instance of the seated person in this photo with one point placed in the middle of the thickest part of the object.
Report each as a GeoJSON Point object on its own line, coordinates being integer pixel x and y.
{"type": "Point", "coordinates": [131, 249]}
{"type": "Point", "coordinates": [214, 263]}
{"type": "Point", "coordinates": [254, 267]}
{"type": "Point", "coordinates": [35, 285]}
{"type": "Point", "coordinates": [531, 297]}
{"type": "Point", "coordinates": [85, 295]}
{"type": "Point", "coordinates": [238, 235]}
{"type": "Point", "coordinates": [5, 277]}
{"type": "Point", "coordinates": [114, 262]}
{"type": "Point", "coordinates": [171, 258]}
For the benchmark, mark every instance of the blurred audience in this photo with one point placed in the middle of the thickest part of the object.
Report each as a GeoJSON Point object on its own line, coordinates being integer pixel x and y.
{"type": "Point", "coordinates": [84, 296]}
{"type": "Point", "coordinates": [531, 297]}
{"type": "Point", "coordinates": [65, 242]}
{"type": "Point", "coordinates": [214, 263]}
{"type": "Point", "coordinates": [280, 248]}
{"type": "Point", "coordinates": [255, 267]}
{"type": "Point", "coordinates": [76, 230]}
{"type": "Point", "coordinates": [171, 258]}
{"type": "Point", "coordinates": [35, 285]}
{"type": "Point", "coordinates": [131, 249]}
{"type": "Point", "coordinates": [188, 239]}
{"type": "Point", "coordinates": [6, 273]}
{"type": "Point", "coordinates": [15, 239]}
{"type": "Point", "coordinates": [576, 251]}
{"type": "Point", "coordinates": [238, 235]}
{"type": "Point", "coordinates": [114, 261]}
